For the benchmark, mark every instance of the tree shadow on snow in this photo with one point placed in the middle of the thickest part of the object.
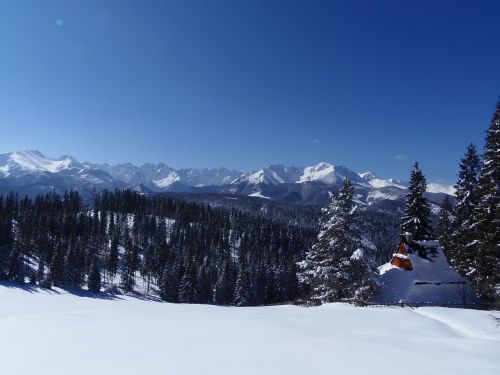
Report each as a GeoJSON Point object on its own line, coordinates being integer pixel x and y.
{"type": "Point", "coordinates": [82, 293]}
{"type": "Point", "coordinates": [96, 295]}
{"type": "Point", "coordinates": [59, 291]}
{"type": "Point", "coordinates": [145, 297]}
{"type": "Point", "coordinates": [27, 287]}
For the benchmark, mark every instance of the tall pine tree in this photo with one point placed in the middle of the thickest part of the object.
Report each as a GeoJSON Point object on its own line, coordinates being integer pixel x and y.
{"type": "Point", "coordinates": [487, 216]}
{"type": "Point", "coordinates": [460, 254]}
{"type": "Point", "coordinates": [416, 215]}
{"type": "Point", "coordinates": [129, 263]}
{"type": "Point", "coordinates": [338, 266]}
{"type": "Point", "coordinates": [94, 281]}
{"type": "Point", "coordinates": [444, 227]}
{"type": "Point", "coordinates": [241, 295]}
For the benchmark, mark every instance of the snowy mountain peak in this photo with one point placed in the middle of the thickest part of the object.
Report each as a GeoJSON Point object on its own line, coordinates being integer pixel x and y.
{"type": "Point", "coordinates": [378, 182]}
{"type": "Point", "coordinates": [368, 176]}
{"type": "Point", "coordinates": [167, 181]}
{"type": "Point", "coordinates": [271, 175]}
{"type": "Point", "coordinates": [33, 161]}
{"type": "Point", "coordinates": [330, 174]}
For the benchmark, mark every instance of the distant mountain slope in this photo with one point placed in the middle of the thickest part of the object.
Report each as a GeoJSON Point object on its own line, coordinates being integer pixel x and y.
{"type": "Point", "coordinates": [378, 182]}
{"type": "Point", "coordinates": [31, 172]}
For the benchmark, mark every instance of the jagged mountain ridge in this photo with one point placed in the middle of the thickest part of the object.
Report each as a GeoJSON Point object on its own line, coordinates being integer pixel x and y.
{"type": "Point", "coordinates": [31, 172]}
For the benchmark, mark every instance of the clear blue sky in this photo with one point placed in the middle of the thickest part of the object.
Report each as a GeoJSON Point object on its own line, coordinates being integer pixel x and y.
{"type": "Point", "coordinates": [373, 85]}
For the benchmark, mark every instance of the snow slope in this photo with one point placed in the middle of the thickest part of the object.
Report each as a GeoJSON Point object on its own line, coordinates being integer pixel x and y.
{"type": "Point", "coordinates": [433, 281]}
{"type": "Point", "coordinates": [378, 182]}
{"type": "Point", "coordinates": [58, 333]}
{"type": "Point", "coordinates": [330, 174]}
{"type": "Point", "coordinates": [435, 187]}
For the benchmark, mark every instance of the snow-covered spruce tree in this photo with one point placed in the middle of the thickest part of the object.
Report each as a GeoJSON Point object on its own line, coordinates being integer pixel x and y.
{"type": "Point", "coordinates": [241, 295]}
{"type": "Point", "coordinates": [187, 285]}
{"type": "Point", "coordinates": [444, 226]}
{"type": "Point", "coordinates": [223, 293]}
{"type": "Point", "coordinates": [112, 258]}
{"type": "Point", "coordinates": [486, 277]}
{"type": "Point", "coordinates": [416, 215]}
{"type": "Point", "coordinates": [460, 254]}
{"type": "Point", "coordinates": [16, 264]}
{"type": "Point", "coordinates": [338, 266]}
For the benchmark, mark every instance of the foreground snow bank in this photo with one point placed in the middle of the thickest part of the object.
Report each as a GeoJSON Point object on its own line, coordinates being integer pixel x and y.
{"type": "Point", "coordinates": [59, 333]}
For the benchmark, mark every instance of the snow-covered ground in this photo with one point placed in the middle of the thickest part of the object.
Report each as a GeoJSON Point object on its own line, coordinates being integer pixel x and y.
{"type": "Point", "coordinates": [44, 332]}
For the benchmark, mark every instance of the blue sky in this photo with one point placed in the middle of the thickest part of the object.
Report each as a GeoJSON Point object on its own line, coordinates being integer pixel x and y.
{"type": "Point", "coordinates": [244, 84]}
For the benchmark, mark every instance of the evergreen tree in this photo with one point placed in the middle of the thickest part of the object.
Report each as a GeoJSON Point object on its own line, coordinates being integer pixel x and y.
{"type": "Point", "coordinates": [4, 261]}
{"type": "Point", "coordinates": [149, 265]}
{"type": "Point", "coordinates": [16, 264]}
{"type": "Point", "coordinates": [223, 292]}
{"type": "Point", "coordinates": [169, 283]}
{"type": "Point", "coordinates": [416, 215]}
{"type": "Point", "coordinates": [73, 267]}
{"type": "Point", "coordinates": [242, 288]}
{"type": "Point", "coordinates": [128, 267]}
{"type": "Point", "coordinates": [444, 227]}
{"type": "Point", "coordinates": [187, 285]}
{"type": "Point", "coordinates": [338, 266]}
{"type": "Point", "coordinates": [204, 284]}
{"type": "Point", "coordinates": [486, 276]}
{"type": "Point", "coordinates": [94, 281]}
{"type": "Point", "coordinates": [57, 267]}
{"type": "Point", "coordinates": [112, 259]}
{"type": "Point", "coordinates": [460, 254]}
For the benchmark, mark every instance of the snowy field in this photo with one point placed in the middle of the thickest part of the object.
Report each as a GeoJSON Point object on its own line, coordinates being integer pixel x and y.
{"type": "Point", "coordinates": [56, 333]}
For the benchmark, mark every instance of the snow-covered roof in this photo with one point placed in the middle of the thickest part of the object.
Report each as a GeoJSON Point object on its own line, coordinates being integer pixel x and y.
{"type": "Point", "coordinates": [432, 280]}
{"type": "Point", "coordinates": [400, 256]}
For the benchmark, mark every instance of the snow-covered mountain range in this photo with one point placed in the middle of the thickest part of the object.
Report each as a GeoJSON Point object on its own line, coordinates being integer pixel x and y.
{"type": "Point", "coordinates": [31, 172]}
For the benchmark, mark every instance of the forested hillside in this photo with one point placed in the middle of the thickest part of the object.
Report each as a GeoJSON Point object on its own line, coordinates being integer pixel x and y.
{"type": "Point", "coordinates": [182, 250]}
{"type": "Point", "coordinates": [187, 252]}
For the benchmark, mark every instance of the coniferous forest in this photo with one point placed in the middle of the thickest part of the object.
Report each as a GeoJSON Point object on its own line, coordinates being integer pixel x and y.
{"type": "Point", "coordinates": [181, 250]}
{"type": "Point", "coordinates": [186, 252]}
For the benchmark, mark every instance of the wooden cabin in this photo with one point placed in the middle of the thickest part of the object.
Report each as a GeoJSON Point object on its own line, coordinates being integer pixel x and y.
{"type": "Point", "coordinates": [400, 259]}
